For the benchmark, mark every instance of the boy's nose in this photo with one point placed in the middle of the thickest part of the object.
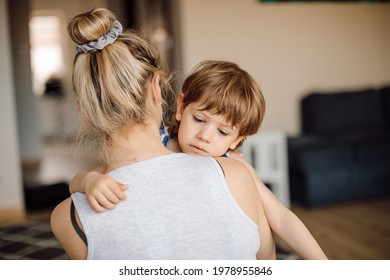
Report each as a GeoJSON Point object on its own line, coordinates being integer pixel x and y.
{"type": "Point", "coordinates": [204, 135]}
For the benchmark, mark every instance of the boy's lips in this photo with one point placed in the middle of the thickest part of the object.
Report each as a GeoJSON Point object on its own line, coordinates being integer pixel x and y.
{"type": "Point", "coordinates": [198, 150]}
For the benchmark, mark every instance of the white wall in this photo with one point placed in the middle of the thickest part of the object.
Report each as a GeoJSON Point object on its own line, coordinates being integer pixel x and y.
{"type": "Point", "coordinates": [30, 144]}
{"type": "Point", "coordinates": [11, 196]}
{"type": "Point", "coordinates": [291, 49]}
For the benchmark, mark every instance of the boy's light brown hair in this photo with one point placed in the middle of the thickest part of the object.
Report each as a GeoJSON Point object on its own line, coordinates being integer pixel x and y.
{"type": "Point", "coordinates": [223, 88]}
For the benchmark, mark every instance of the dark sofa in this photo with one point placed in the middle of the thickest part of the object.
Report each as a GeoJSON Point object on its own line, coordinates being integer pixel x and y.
{"type": "Point", "coordinates": [343, 151]}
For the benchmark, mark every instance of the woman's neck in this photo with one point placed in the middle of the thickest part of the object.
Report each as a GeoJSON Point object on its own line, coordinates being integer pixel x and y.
{"type": "Point", "coordinates": [140, 144]}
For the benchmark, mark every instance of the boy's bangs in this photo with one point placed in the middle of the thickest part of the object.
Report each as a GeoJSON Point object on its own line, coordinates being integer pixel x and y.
{"type": "Point", "coordinates": [230, 107]}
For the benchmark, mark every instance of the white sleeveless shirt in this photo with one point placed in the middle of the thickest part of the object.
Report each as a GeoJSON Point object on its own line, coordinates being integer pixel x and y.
{"type": "Point", "coordinates": [178, 207]}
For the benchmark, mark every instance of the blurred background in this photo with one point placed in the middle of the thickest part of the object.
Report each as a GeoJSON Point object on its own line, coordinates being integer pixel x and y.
{"type": "Point", "coordinates": [291, 48]}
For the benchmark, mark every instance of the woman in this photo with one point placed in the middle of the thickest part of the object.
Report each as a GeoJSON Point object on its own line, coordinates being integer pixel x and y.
{"type": "Point", "coordinates": [205, 209]}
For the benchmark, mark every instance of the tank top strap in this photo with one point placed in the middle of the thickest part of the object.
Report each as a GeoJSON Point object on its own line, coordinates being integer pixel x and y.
{"type": "Point", "coordinates": [75, 224]}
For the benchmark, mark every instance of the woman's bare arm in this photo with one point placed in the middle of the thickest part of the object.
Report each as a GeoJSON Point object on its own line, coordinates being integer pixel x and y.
{"type": "Point", "coordinates": [283, 222]}
{"type": "Point", "coordinates": [244, 190]}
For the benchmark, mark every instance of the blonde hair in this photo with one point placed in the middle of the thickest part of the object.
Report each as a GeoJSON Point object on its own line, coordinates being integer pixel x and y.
{"type": "Point", "coordinates": [223, 88]}
{"type": "Point", "coordinates": [111, 85]}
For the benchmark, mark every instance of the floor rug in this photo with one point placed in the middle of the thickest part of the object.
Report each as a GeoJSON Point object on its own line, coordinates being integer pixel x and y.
{"type": "Point", "coordinates": [30, 241]}
{"type": "Point", "coordinates": [35, 241]}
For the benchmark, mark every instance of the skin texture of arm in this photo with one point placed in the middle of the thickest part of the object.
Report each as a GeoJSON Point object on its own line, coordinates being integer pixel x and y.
{"type": "Point", "coordinates": [283, 222]}
{"type": "Point", "coordinates": [76, 183]}
{"type": "Point", "coordinates": [102, 191]}
{"type": "Point", "coordinates": [243, 189]}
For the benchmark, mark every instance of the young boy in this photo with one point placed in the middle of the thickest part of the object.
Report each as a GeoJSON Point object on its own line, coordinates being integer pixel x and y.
{"type": "Point", "coordinates": [219, 106]}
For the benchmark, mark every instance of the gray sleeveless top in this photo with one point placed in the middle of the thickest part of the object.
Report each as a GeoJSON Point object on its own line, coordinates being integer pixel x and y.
{"type": "Point", "coordinates": [178, 207]}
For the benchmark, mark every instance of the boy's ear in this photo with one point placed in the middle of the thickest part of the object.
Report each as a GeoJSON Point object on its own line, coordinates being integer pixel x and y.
{"type": "Point", "coordinates": [236, 142]}
{"type": "Point", "coordinates": [179, 107]}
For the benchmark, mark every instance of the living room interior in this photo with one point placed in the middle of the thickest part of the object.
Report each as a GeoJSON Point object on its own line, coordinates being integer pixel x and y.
{"type": "Point", "coordinates": [293, 50]}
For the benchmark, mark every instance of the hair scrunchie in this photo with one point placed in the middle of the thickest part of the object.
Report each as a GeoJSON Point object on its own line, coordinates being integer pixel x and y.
{"type": "Point", "coordinates": [103, 41]}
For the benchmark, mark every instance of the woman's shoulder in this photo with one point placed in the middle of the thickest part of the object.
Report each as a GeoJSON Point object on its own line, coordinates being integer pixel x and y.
{"type": "Point", "coordinates": [241, 186]}
{"type": "Point", "coordinates": [232, 166]}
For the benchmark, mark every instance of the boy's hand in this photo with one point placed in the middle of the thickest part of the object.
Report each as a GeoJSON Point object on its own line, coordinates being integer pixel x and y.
{"type": "Point", "coordinates": [102, 191]}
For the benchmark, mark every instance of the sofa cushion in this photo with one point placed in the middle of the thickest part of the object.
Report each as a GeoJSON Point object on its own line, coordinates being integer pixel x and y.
{"type": "Point", "coordinates": [308, 152]}
{"type": "Point", "coordinates": [322, 186]}
{"type": "Point", "coordinates": [374, 153]}
{"type": "Point", "coordinates": [343, 112]}
{"type": "Point", "coordinates": [327, 170]}
{"type": "Point", "coordinates": [321, 157]}
{"type": "Point", "coordinates": [385, 93]}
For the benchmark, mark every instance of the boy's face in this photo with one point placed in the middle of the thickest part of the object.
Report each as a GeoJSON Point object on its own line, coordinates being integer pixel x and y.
{"type": "Point", "coordinates": [203, 133]}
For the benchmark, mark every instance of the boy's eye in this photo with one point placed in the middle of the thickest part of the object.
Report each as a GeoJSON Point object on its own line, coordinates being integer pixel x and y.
{"type": "Point", "coordinates": [223, 132]}
{"type": "Point", "coordinates": [197, 119]}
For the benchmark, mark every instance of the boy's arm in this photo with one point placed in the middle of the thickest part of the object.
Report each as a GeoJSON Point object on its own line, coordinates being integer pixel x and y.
{"type": "Point", "coordinates": [102, 191]}
{"type": "Point", "coordinates": [76, 184]}
{"type": "Point", "coordinates": [283, 221]}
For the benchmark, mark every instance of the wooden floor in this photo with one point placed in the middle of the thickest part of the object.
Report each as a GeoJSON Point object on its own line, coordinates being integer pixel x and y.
{"type": "Point", "coordinates": [351, 231]}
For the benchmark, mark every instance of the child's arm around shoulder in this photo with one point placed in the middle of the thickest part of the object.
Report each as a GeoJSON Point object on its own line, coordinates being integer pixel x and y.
{"type": "Point", "coordinates": [243, 189]}
{"type": "Point", "coordinates": [103, 192]}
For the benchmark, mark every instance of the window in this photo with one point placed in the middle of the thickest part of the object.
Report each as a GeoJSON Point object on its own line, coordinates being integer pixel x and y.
{"type": "Point", "coordinates": [46, 50]}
